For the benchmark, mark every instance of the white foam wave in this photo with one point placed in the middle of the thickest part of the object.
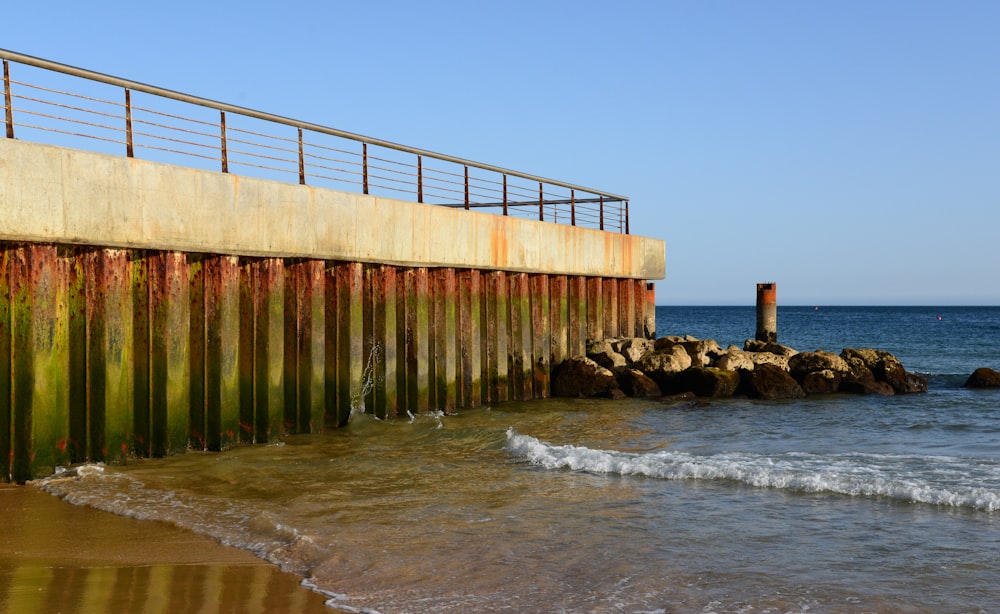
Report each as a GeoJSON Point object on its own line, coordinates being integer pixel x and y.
{"type": "Point", "coordinates": [938, 480]}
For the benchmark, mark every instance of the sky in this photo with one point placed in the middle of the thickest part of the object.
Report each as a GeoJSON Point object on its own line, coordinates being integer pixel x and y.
{"type": "Point", "coordinates": [848, 151]}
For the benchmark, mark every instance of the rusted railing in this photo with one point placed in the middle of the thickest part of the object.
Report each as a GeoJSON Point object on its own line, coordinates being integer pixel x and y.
{"type": "Point", "coordinates": [65, 105]}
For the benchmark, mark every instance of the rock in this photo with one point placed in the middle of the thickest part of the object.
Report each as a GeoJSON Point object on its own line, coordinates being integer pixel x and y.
{"type": "Point", "coordinates": [603, 353]}
{"type": "Point", "coordinates": [707, 381]}
{"type": "Point", "coordinates": [769, 382]}
{"type": "Point", "coordinates": [803, 363]}
{"type": "Point", "coordinates": [768, 358]}
{"type": "Point", "coordinates": [665, 343]}
{"type": "Point", "coordinates": [733, 360]}
{"type": "Point", "coordinates": [635, 383]}
{"type": "Point", "coordinates": [634, 349]}
{"type": "Point", "coordinates": [890, 371]}
{"type": "Point", "coordinates": [983, 378]}
{"type": "Point", "coordinates": [752, 345]}
{"type": "Point", "coordinates": [663, 365]}
{"type": "Point", "coordinates": [702, 352]}
{"type": "Point", "coordinates": [883, 368]}
{"type": "Point", "coordinates": [582, 377]}
{"type": "Point", "coordinates": [825, 381]}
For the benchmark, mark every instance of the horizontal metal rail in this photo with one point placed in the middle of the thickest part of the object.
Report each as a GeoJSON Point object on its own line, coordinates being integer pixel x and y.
{"type": "Point", "coordinates": [378, 166]}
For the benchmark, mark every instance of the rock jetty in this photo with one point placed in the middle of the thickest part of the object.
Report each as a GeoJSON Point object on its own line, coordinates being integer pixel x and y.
{"type": "Point", "coordinates": [672, 366]}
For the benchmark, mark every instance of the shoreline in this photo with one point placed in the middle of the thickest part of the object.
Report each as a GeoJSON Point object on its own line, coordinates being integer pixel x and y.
{"type": "Point", "coordinates": [60, 557]}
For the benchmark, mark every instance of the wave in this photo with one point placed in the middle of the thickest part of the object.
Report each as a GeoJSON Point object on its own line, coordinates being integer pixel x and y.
{"type": "Point", "coordinates": [936, 480]}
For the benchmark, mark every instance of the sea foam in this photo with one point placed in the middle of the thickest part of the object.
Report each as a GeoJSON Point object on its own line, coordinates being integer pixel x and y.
{"type": "Point", "coordinates": [936, 480]}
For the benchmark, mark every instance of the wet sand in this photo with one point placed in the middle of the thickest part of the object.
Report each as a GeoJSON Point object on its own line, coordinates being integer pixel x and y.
{"type": "Point", "coordinates": [58, 557]}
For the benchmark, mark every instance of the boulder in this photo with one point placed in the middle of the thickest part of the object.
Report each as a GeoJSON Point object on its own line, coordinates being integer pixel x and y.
{"type": "Point", "coordinates": [825, 381]}
{"type": "Point", "coordinates": [665, 343]}
{"type": "Point", "coordinates": [635, 383]}
{"type": "Point", "coordinates": [803, 363]}
{"type": "Point", "coordinates": [769, 382]}
{"type": "Point", "coordinates": [582, 377]}
{"type": "Point", "coordinates": [603, 353]}
{"type": "Point", "coordinates": [983, 378]}
{"type": "Point", "coordinates": [890, 371]}
{"type": "Point", "coordinates": [752, 345]}
{"type": "Point", "coordinates": [768, 358]}
{"type": "Point", "coordinates": [634, 349]}
{"type": "Point", "coordinates": [707, 382]}
{"type": "Point", "coordinates": [702, 352]}
{"type": "Point", "coordinates": [663, 365]}
{"type": "Point", "coordinates": [734, 360]}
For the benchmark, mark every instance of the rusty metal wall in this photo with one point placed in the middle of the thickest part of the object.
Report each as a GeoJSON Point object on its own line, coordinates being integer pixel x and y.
{"type": "Point", "coordinates": [110, 353]}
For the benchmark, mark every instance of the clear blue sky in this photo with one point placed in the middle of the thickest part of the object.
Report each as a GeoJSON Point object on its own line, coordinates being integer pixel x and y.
{"type": "Point", "coordinates": [847, 150]}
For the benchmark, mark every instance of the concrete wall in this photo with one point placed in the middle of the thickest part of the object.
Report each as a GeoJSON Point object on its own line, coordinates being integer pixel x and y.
{"type": "Point", "coordinates": [63, 195]}
{"type": "Point", "coordinates": [145, 309]}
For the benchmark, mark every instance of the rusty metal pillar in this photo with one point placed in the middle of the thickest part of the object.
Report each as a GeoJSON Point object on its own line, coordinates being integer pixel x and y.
{"type": "Point", "coordinates": [445, 339]}
{"type": "Point", "coordinates": [500, 292]}
{"type": "Point", "coordinates": [521, 337]}
{"type": "Point", "coordinates": [609, 288]}
{"type": "Point", "coordinates": [490, 340]}
{"type": "Point", "coordinates": [559, 313]}
{"type": "Point", "coordinates": [577, 316]}
{"type": "Point", "coordinates": [595, 309]}
{"type": "Point", "coordinates": [649, 311]}
{"type": "Point", "coordinates": [767, 312]}
{"type": "Point", "coordinates": [6, 451]}
{"type": "Point", "coordinates": [541, 341]}
{"type": "Point", "coordinates": [422, 339]}
{"type": "Point", "coordinates": [626, 307]}
{"type": "Point", "coordinates": [385, 334]}
{"type": "Point", "coordinates": [350, 345]}
{"type": "Point", "coordinates": [169, 367]}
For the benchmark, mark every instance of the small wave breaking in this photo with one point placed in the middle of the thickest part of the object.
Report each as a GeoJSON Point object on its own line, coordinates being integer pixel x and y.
{"type": "Point", "coordinates": [935, 480]}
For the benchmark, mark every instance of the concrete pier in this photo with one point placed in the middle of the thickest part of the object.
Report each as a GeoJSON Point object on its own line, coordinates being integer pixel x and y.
{"type": "Point", "coordinates": [147, 308]}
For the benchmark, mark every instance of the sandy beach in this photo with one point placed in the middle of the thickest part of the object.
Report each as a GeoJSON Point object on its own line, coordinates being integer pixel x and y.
{"type": "Point", "coordinates": [58, 557]}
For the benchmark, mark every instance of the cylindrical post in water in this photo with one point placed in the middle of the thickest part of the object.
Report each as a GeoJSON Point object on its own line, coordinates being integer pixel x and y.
{"type": "Point", "coordinates": [767, 312]}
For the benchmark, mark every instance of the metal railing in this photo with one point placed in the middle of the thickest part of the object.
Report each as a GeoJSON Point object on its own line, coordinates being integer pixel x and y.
{"type": "Point", "coordinates": [65, 105]}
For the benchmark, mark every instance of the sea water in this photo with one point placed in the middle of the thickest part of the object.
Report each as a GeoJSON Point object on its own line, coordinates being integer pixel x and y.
{"type": "Point", "coordinates": [827, 504]}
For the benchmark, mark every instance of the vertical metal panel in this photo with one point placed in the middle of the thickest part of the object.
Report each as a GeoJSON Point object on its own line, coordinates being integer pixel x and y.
{"type": "Point", "coordinates": [650, 310]}
{"type": "Point", "coordinates": [445, 338]}
{"type": "Point", "coordinates": [422, 338]}
{"type": "Point", "coordinates": [270, 349]}
{"type": "Point", "coordinates": [142, 440]}
{"type": "Point", "coordinates": [332, 415]}
{"type": "Point", "coordinates": [470, 346]}
{"type": "Point", "coordinates": [169, 358]}
{"type": "Point", "coordinates": [6, 449]}
{"type": "Point", "coordinates": [500, 292]}
{"type": "Point", "coordinates": [292, 348]}
{"type": "Point", "coordinates": [559, 318]}
{"type": "Point", "coordinates": [521, 337]}
{"type": "Point", "coordinates": [408, 301]}
{"type": "Point", "coordinates": [626, 308]}
{"type": "Point", "coordinates": [350, 331]}
{"type": "Point", "coordinates": [214, 310]}
{"type": "Point", "coordinates": [385, 334]}
{"type": "Point", "coordinates": [117, 347]}
{"type": "Point", "coordinates": [373, 367]}
{"type": "Point", "coordinates": [577, 315]}
{"type": "Point", "coordinates": [490, 340]}
{"type": "Point", "coordinates": [77, 312]}
{"type": "Point", "coordinates": [225, 424]}
{"type": "Point", "coordinates": [314, 382]}
{"type": "Point", "coordinates": [196, 354]}
{"type": "Point", "coordinates": [541, 342]}
{"type": "Point", "coordinates": [610, 307]}
{"type": "Point", "coordinates": [247, 351]}
{"type": "Point", "coordinates": [595, 308]}
{"type": "Point", "coordinates": [40, 361]}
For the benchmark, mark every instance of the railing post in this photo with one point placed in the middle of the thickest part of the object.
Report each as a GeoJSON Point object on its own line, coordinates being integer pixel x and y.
{"type": "Point", "coordinates": [129, 144]}
{"type": "Point", "coordinates": [302, 160]}
{"type": "Point", "coordinates": [420, 179]}
{"type": "Point", "coordinates": [225, 154]}
{"type": "Point", "coordinates": [505, 193]}
{"type": "Point", "coordinates": [364, 167]}
{"type": "Point", "coordinates": [602, 211]}
{"type": "Point", "coordinates": [626, 218]}
{"type": "Point", "coordinates": [466, 187]}
{"type": "Point", "coordinates": [7, 101]}
{"type": "Point", "coordinates": [541, 203]}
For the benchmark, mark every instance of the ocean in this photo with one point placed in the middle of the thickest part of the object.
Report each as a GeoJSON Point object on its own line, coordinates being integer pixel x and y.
{"type": "Point", "coordinates": [827, 504]}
